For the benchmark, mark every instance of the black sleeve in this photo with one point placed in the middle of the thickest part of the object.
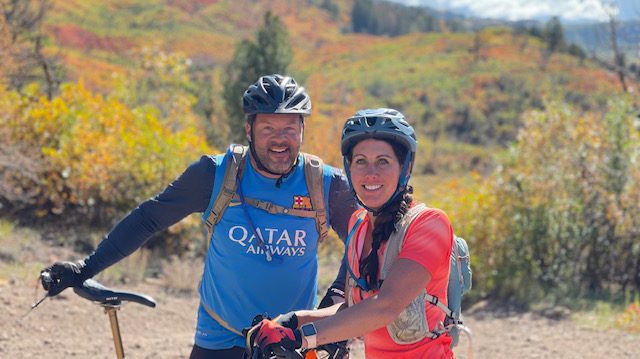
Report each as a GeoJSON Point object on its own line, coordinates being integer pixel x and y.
{"type": "Point", "coordinates": [187, 194]}
{"type": "Point", "coordinates": [342, 204]}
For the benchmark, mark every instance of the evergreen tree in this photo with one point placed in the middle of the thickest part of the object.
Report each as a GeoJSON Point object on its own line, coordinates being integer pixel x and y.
{"type": "Point", "coordinates": [554, 35]}
{"type": "Point", "coordinates": [362, 16]}
{"type": "Point", "coordinates": [270, 53]}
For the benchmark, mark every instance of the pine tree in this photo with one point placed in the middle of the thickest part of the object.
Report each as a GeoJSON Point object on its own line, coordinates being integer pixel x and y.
{"type": "Point", "coordinates": [270, 53]}
{"type": "Point", "coordinates": [554, 35]}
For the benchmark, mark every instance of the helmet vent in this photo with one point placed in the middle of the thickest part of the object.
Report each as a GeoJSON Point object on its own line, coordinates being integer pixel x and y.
{"type": "Point", "coordinates": [271, 90]}
{"type": "Point", "coordinates": [370, 121]}
{"type": "Point", "coordinates": [295, 102]}
{"type": "Point", "coordinates": [289, 90]}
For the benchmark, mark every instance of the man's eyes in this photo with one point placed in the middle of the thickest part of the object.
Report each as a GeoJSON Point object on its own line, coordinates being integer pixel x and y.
{"type": "Point", "coordinates": [287, 130]}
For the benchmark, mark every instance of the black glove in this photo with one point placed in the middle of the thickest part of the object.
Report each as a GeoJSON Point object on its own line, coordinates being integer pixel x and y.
{"type": "Point", "coordinates": [62, 275]}
{"type": "Point", "coordinates": [334, 295]}
{"type": "Point", "coordinates": [288, 320]}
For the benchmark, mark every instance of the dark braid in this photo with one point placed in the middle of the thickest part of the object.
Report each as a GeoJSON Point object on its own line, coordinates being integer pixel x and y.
{"type": "Point", "coordinates": [385, 225]}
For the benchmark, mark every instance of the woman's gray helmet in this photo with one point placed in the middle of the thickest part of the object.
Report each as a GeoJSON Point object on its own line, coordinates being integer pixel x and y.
{"type": "Point", "coordinates": [382, 124]}
{"type": "Point", "coordinates": [276, 94]}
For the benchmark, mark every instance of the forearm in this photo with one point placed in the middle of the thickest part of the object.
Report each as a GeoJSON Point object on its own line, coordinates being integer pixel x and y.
{"type": "Point", "coordinates": [307, 316]}
{"type": "Point", "coordinates": [403, 284]}
{"type": "Point", "coordinates": [127, 236]}
{"type": "Point", "coordinates": [356, 320]}
{"type": "Point", "coordinates": [187, 194]}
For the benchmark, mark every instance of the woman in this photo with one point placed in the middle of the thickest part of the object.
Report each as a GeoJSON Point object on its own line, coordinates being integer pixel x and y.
{"type": "Point", "coordinates": [397, 252]}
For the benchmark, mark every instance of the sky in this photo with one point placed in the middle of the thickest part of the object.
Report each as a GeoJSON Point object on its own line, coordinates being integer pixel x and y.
{"type": "Point", "coordinates": [569, 10]}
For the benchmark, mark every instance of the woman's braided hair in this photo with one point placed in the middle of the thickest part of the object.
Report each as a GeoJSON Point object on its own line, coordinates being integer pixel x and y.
{"type": "Point", "coordinates": [385, 222]}
{"type": "Point", "coordinates": [384, 226]}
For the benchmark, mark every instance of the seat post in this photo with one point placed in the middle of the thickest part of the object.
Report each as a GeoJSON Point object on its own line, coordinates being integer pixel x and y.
{"type": "Point", "coordinates": [111, 311]}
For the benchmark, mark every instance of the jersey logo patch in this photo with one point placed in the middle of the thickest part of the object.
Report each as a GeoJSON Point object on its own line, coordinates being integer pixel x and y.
{"type": "Point", "coordinates": [302, 202]}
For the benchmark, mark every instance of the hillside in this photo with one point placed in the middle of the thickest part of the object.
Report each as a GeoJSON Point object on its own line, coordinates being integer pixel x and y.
{"type": "Point", "coordinates": [456, 87]}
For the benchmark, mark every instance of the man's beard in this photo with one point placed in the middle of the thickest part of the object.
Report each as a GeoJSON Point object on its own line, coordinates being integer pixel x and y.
{"type": "Point", "coordinates": [277, 165]}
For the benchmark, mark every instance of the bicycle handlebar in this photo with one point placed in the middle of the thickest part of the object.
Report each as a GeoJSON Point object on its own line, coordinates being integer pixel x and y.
{"type": "Point", "coordinates": [279, 353]}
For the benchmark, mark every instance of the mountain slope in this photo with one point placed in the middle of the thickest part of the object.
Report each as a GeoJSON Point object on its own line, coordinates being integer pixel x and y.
{"type": "Point", "coordinates": [461, 87]}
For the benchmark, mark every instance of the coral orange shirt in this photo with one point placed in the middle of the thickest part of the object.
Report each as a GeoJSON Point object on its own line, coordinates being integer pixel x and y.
{"type": "Point", "coordinates": [428, 242]}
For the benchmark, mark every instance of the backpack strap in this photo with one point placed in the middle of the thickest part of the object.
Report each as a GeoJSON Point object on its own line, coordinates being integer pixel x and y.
{"type": "Point", "coordinates": [273, 208]}
{"type": "Point", "coordinates": [396, 239]}
{"type": "Point", "coordinates": [233, 169]}
{"type": "Point", "coordinates": [352, 281]}
{"type": "Point", "coordinates": [313, 174]}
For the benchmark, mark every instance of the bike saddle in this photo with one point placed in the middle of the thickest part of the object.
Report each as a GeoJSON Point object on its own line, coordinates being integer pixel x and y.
{"type": "Point", "coordinates": [96, 292]}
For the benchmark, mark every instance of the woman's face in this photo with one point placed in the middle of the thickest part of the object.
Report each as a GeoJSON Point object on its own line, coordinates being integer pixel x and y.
{"type": "Point", "coordinates": [375, 171]}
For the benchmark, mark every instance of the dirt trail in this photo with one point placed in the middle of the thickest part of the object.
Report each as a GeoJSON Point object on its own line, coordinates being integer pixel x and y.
{"type": "Point", "coordinates": [69, 326]}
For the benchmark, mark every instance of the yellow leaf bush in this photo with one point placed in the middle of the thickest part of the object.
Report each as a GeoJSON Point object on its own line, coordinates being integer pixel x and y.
{"type": "Point", "coordinates": [560, 215]}
{"type": "Point", "coordinates": [95, 150]}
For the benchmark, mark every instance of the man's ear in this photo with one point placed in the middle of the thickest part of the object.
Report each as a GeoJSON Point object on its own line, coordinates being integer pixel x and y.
{"type": "Point", "coordinates": [247, 130]}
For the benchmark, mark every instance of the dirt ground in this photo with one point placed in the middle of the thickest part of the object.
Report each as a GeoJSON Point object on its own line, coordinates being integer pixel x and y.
{"type": "Point", "coordinates": [68, 326]}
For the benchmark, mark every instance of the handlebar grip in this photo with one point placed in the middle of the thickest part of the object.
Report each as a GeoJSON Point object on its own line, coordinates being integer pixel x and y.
{"type": "Point", "coordinates": [46, 280]}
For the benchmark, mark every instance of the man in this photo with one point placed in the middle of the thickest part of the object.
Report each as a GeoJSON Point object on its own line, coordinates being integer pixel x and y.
{"type": "Point", "coordinates": [264, 225]}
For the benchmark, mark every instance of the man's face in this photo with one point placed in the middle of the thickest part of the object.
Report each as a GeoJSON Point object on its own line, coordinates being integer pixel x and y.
{"type": "Point", "coordinates": [277, 139]}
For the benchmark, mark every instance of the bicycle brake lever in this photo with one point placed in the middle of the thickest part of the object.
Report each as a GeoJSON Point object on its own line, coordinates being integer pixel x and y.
{"type": "Point", "coordinates": [46, 280]}
{"type": "Point", "coordinates": [34, 305]}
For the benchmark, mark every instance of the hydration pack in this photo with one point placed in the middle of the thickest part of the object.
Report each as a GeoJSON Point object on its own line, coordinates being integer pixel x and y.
{"type": "Point", "coordinates": [459, 284]}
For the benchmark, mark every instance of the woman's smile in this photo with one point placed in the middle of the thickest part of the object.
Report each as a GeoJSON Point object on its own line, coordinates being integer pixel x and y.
{"type": "Point", "coordinates": [375, 171]}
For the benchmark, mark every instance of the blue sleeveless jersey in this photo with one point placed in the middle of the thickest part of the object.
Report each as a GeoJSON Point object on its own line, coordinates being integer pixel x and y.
{"type": "Point", "coordinates": [238, 282]}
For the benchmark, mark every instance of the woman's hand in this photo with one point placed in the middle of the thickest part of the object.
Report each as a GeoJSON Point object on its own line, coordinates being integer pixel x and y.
{"type": "Point", "coordinates": [270, 336]}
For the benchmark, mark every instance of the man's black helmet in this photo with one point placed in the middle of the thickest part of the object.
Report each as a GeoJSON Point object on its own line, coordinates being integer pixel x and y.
{"type": "Point", "coordinates": [276, 94]}
{"type": "Point", "coordinates": [382, 124]}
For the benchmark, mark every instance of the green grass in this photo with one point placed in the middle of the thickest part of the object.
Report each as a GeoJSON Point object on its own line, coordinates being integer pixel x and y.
{"type": "Point", "coordinates": [17, 247]}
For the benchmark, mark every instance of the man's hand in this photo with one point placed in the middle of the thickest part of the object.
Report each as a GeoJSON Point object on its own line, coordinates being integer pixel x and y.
{"type": "Point", "coordinates": [62, 275]}
{"type": "Point", "coordinates": [287, 320]}
{"type": "Point", "coordinates": [333, 296]}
